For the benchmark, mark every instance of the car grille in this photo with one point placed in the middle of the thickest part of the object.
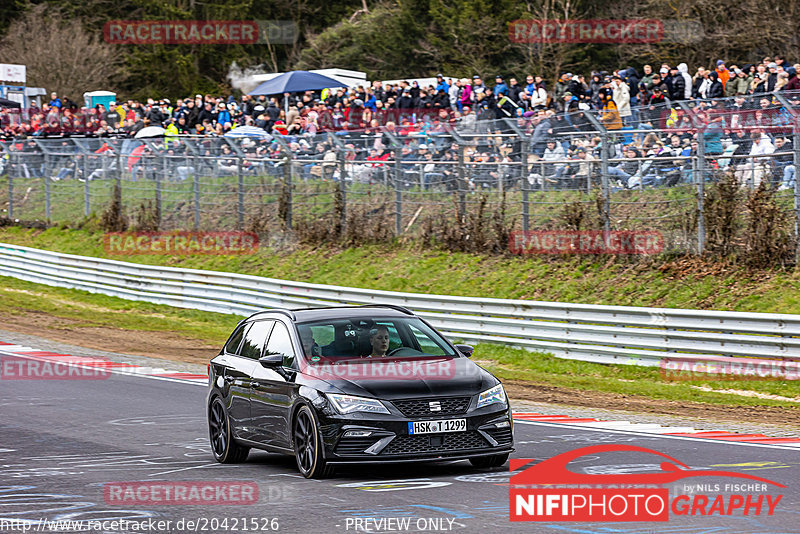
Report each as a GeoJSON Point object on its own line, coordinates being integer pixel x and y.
{"type": "Point", "coordinates": [421, 407]}
{"type": "Point", "coordinates": [457, 441]}
{"type": "Point", "coordinates": [501, 435]}
{"type": "Point", "coordinates": [354, 445]}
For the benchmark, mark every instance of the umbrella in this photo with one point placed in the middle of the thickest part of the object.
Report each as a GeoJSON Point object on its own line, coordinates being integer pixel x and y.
{"type": "Point", "coordinates": [6, 103]}
{"type": "Point", "coordinates": [248, 131]}
{"type": "Point", "coordinates": [150, 131]}
{"type": "Point", "coordinates": [295, 82]}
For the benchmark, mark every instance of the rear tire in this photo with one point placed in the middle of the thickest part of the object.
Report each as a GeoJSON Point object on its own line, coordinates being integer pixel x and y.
{"type": "Point", "coordinates": [307, 444]}
{"type": "Point", "coordinates": [224, 447]}
{"type": "Point", "coordinates": [489, 461]}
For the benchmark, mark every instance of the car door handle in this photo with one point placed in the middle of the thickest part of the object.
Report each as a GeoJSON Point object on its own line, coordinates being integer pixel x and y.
{"type": "Point", "coordinates": [255, 384]}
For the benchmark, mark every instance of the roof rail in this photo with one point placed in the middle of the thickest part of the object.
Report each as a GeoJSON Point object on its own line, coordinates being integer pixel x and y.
{"type": "Point", "coordinates": [287, 313]}
{"type": "Point", "coordinates": [401, 309]}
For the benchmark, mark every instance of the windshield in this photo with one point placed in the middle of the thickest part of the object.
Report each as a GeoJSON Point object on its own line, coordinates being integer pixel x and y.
{"type": "Point", "coordinates": [346, 338]}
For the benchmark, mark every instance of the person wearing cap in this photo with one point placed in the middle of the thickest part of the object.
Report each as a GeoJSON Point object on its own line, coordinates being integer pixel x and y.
{"type": "Point", "coordinates": [772, 77]}
{"type": "Point", "coordinates": [676, 85]}
{"type": "Point", "coordinates": [112, 116]}
{"type": "Point", "coordinates": [478, 87]}
{"type": "Point", "coordinates": [441, 84]}
{"type": "Point", "coordinates": [722, 72]}
{"type": "Point", "coordinates": [739, 84]}
{"type": "Point", "coordinates": [500, 87]}
{"type": "Point", "coordinates": [562, 86]}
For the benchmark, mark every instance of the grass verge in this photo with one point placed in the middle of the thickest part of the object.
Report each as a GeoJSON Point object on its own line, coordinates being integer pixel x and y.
{"type": "Point", "coordinates": [682, 283]}
{"type": "Point", "coordinates": [88, 311]}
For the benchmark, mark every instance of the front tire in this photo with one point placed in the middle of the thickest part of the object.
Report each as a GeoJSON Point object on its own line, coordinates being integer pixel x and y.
{"type": "Point", "coordinates": [224, 447]}
{"type": "Point", "coordinates": [308, 445]}
{"type": "Point", "coordinates": [489, 461]}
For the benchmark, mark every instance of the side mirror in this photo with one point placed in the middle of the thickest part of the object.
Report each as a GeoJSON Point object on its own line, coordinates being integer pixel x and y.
{"type": "Point", "coordinates": [271, 361]}
{"type": "Point", "coordinates": [466, 350]}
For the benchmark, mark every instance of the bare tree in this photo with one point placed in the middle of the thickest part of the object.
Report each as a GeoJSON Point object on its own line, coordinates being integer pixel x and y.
{"type": "Point", "coordinates": [549, 57]}
{"type": "Point", "coordinates": [60, 55]}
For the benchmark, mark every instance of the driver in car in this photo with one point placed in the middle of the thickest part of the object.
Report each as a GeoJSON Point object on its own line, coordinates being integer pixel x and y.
{"type": "Point", "coordinates": [379, 341]}
{"type": "Point", "coordinates": [310, 347]}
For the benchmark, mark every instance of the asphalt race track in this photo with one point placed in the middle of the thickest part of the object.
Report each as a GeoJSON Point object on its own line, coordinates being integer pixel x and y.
{"type": "Point", "coordinates": [62, 440]}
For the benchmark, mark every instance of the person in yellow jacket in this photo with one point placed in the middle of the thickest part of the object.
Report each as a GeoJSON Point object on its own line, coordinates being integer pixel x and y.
{"type": "Point", "coordinates": [611, 118]}
{"type": "Point", "coordinates": [171, 134]}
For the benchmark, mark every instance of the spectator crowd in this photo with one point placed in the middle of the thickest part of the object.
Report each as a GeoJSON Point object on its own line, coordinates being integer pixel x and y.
{"type": "Point", "coordinates": [737, 102]}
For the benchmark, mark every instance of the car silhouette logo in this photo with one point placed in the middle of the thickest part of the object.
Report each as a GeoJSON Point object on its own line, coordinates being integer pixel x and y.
{"type": "Point", "coordinates": [554, 470]}
{"type": "Point", "coordinates": [435, 406]}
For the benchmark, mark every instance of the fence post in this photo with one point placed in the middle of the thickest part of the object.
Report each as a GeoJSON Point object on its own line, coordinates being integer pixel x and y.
{"type": "Point", "coordinates": [286, 194]}
{"type": "Point", "coordinates": [87, 207]}
{"type": "Point", "coordinates": [342, 190]}
{"type": "Point", "coordinates": [525, 185]}
{"type": "Point", "coordinates": [196, 191]}
{"type": "Point", "coordinates": [604, 182]}
{"type": "Point", "coordinates": [47, 192]}
{"type": "Point", "coordinates": [700, 182]}
{"type": "Point", "coordinates": [158, 193]}
{"type": "Point", "coordinates": [240, 194]}
{"type": "Point", "coordinates": [398, 194]}
{"type": "Point", "coordinates": [796, 161]}
{"type": "Point", "coordinates": [462, 181]}
{"type": "Point", "coordinates": [10, 195]}
{"type": "Point", "coordinates": [603, 169]}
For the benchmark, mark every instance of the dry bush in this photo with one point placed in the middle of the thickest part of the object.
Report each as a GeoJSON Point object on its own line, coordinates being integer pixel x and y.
{"type": "Point", "coordinates": [146, 217]}
{"type": "Point", "coordinates": [768, 239]}
{"type": "Point", "coordinates": [722, 205]}
{"type": "Point", "coordinates": [477, 230]}
{"type": "Point", "coordinates": [113, 218]}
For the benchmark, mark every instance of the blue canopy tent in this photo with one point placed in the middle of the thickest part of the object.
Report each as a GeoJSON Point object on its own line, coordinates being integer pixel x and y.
{"type": "Point", "coordinates": [295, 82]}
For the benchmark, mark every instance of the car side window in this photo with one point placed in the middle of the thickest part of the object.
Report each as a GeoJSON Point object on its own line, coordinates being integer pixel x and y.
{"type": "Point", "coordinates": [426, 344]}
{"type": "Point", "coordinates": [232, 346]}
{"type": "Point", "coordinates": [254, 339]}
{"type": "Point", "coordinates": [281, 343]}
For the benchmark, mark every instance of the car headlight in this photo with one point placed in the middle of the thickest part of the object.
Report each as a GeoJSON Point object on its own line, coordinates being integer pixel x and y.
{"type": "Point", "coordinates": [490, 396]}
{"type": "Point", "coordinates": [345, 404]}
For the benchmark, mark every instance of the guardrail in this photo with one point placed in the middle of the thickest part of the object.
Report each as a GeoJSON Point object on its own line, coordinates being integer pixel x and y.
{"type": "Point", "coordinates": [604, 334]}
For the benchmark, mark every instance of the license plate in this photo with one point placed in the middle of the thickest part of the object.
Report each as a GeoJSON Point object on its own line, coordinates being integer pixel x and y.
{"type": "Point", "coordinates": [436, 427]}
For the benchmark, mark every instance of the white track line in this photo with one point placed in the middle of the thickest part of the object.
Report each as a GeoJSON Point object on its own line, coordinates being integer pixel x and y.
{"type": "Point", "coordinates": [619, 427]}
{"type": "Point", "coordinates": [786, 447]}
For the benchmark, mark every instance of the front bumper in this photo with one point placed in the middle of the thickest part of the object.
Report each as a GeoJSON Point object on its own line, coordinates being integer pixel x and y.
{"type": "Point", "coordinates": [489, 431]}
